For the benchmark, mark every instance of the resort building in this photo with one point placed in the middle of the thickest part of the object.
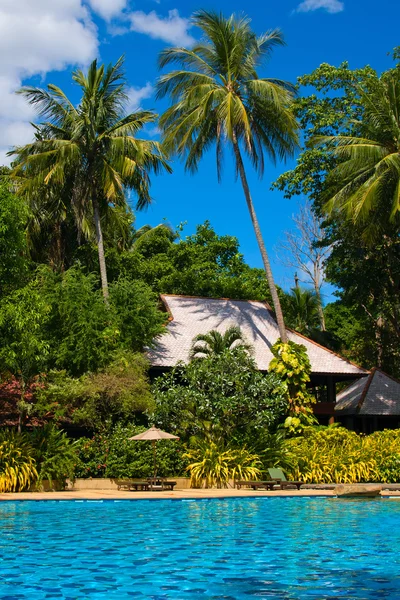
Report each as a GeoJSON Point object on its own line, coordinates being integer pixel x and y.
{"type": "Point", "coordinates": [370, 404]}
{"type": "Point", "coordinates": [190, 316]}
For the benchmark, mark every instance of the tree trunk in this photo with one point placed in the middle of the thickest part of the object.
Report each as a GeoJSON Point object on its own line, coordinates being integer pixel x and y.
{"type": "Point", "coordinates": [260, 241]}
{"type": "Point", "coordinates": [100, 248]}
{"type": "Point", "coordinates": [317, 288]}
{"type": "Point", "coordinates": [320, 310]}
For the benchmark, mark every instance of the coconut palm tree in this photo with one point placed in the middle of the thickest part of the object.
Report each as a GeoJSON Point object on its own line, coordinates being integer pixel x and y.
{"type": "Point", "coordinates": [219, 99]}
{"type": "Point", "coordinates": [93, 146]}
{"type": "Point", "coordinates": [214, 342]}
{"type": "Point", "coordinates": [365, 185]}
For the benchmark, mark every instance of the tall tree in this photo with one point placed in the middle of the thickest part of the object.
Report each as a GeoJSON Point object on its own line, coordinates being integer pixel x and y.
{"type": "Point", "coordinates": [92, 147]}
{"type": "Point", "coordinates": [368, 276]}
{"type": "Point", "coordinates": [365, 185]}
{"type": "Point", "coordinates": [218, 98]}
{"type": "Point", "coordinates": [304, 249]}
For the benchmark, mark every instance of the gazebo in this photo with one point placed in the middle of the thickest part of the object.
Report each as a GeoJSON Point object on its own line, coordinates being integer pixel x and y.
{"type": "Point", "coordinates": [189, 316]}
{"type": "Point", "coordinates": [370, 404]}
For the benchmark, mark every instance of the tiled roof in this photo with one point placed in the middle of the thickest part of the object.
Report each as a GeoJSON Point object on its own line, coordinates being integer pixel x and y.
{"type": "Point", "coordinates": [193, 315]}
{"type": "Point", "coordinates": [379, 394]}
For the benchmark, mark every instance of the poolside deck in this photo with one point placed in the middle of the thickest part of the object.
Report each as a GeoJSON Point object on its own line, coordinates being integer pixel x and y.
{"type": "Point", "coordinates": [173, 495]}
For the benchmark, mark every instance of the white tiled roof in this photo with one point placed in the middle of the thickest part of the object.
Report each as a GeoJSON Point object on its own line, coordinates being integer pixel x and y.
{"type": "Point", "coordinates": [377, 395]}
{"type": "Point", "coordinates": [192, 315]}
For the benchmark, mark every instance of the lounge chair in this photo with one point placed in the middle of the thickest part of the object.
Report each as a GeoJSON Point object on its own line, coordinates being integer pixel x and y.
{"type": "Point", "coordinates": [255, 485]}
{"type": "Point", "coordinates": [129, 485]}
{"type": "Point", "coordinates": [159, 483]}
{"type": "Point", "coordinates": [281, 480]}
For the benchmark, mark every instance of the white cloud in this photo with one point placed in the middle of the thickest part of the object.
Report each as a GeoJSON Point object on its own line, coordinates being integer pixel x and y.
{"type": "Point", "coordinates": [108, 8]}
{"type": "Point", "coordinates": [172, 29]}
{"type": "Point", "coordinates": [35, 38]}
{"type": "Point", "coordinates": [137, 94]}
{"type": "Point", "coordinates": [331, 6]}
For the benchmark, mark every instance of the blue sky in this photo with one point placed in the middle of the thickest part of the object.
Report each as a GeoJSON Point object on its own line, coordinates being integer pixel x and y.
{"type": "Point", "coordinates": [56, 35]}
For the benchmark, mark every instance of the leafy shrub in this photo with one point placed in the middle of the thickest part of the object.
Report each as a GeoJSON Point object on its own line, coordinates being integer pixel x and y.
{"type": "Point", "coordinates": [226, 390]}
{"type": "Point", "coordinates": [17, 465]}
{"type": "Point", "coordinates": [336, 455]}
{"type": "Point", "coordinates": [118, 393]}
{"type": "Point", "coordinates": [54, 454]}
{"type": "Point", "coordinates": [114, 455]}
{"type": "Point", "coordinates": [384, 447]}
{"type": "Point", "coordinates": [215, 464]}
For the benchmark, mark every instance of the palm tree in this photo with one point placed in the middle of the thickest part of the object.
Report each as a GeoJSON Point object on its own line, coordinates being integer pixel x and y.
{"type": "Point", "coordinates": [214, 342]}
{"type": "Point", "coordinates": [365, 185]}
{"type": "Point", "coordinates": [93, 145]}
{"type": "Point", "coordinates": [218, 98]}
{"type": "Point", "coordinates": [302, 308]}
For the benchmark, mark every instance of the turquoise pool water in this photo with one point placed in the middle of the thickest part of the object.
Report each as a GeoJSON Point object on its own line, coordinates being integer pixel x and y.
{"type": "Point", "coordinates": [280, 548]}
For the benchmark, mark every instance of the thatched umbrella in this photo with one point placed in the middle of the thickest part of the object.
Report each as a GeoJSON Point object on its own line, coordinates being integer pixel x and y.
{"type": "Point", "coordinates": [154, 434]}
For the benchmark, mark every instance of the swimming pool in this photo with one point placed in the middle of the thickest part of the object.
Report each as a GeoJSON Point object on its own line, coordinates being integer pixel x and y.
{"type": "Point", "coordinates": [280, 548]}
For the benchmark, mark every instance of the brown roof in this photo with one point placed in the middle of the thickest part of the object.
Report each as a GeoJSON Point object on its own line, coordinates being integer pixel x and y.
{"type": "Point", "coordinates": [190, 316]}
{"type": "Point", "coordinates": [378, 395]}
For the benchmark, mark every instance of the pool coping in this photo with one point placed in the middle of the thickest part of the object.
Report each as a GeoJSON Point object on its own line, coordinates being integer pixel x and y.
{"type": "Point", "coordinates": [203, 494]}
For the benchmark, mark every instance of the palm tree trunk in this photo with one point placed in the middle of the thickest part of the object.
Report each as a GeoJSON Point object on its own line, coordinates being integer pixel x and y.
{"type": "Point", "coordinates": [100, 248]}
{"type": "Point", "coordinates": [260, 241]}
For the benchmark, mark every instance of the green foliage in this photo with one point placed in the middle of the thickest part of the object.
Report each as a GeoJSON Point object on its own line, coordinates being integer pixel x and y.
{"type": "Point", "coordinates": [83, 331]}
{"type": "Point", "coordinates": [17, 465]}
{"type": "Point", "coordinates": [14, 263]}
{"type": "Point", "coordinates": [217, 96]}
{"type": "Point", "coordinates": [226, 390]}
{"type": "Point", "coordinates": [356, 339]}
{"type": "Point", "coordinates": [119, 393]}
{"type": "Point", "coordinates": [88, 154]}
{"type": "Point", "coordinates": [301, 308]}
{"type": "Point", "coordinates": [137, 315]}
{"type": "Point", "coordinates": [202, 264]}
{"type": "Point", "coordinates": [54, 454]}
{"type": "Point", "coordinates": [291, 364]}
{"type": "Point", "coordinates": [214, 342]}
{"type": "Point", "coordinates": [23, 347]}
{"type": "Point", "coordinates": [114, 455]}
{"type": "Point", "coordinates": [336, 455]}
{"type": "Point", "coordinates": [214, 465]}
{"type": "Point", "coordinates": [367, 276]}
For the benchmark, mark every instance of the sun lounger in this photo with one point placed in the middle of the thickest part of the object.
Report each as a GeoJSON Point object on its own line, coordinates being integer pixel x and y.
{"type": "Point", "coordinates": [255, 485]}
{"type": "Point", "coordinates": [129, 485]}
{"type": "Point", "coordinates": [159, 483]}
{"type": "Point", "coordinates": [281, 480]}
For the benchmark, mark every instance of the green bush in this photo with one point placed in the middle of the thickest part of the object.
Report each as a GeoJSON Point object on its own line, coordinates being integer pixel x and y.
{"type": "Point", "coordinates": [337, 455]}
{"type": "Point", "coordinates": [226, 390]}
{"type": "Point", "coordinates": [54, 454]}
{"type": "Point", "coordinates": [114, 455]}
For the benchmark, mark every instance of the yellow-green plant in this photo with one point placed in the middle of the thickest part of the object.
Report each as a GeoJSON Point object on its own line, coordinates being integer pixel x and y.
{"type": "Point", "coordinates": [245, 465]}
{"type": "Point", "coordinates": [215, 465]}
{"type": "Point", "coordinates": [17, 467]}
{"type": "Point", "coordinates": [293, 367]}
{"type": "Point", "coordinates": [332, 455]}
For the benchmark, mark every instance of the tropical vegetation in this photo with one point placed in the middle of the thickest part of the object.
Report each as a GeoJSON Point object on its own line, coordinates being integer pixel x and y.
{"type": "Point", "coordinates": [80, 283]}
